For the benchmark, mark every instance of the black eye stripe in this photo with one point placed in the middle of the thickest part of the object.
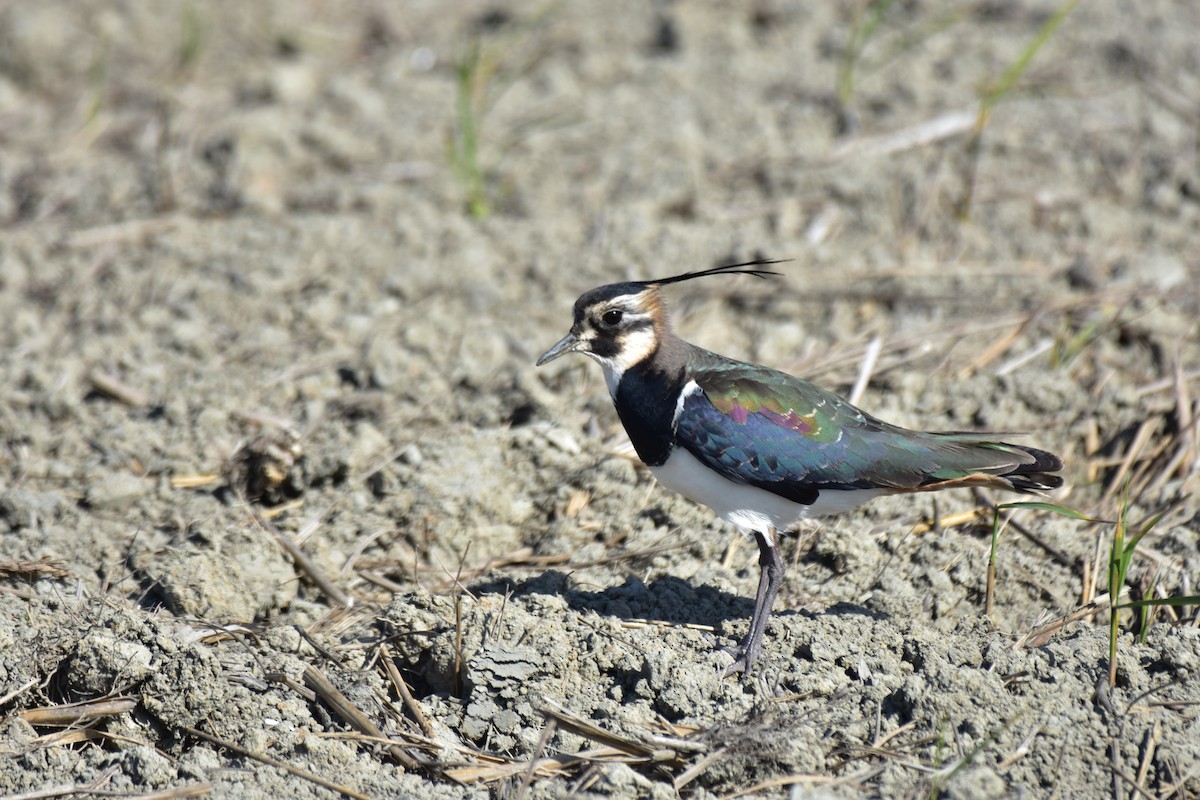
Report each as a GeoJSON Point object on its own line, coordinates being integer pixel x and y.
{"type": "Point", "coordinates": [605, 347]}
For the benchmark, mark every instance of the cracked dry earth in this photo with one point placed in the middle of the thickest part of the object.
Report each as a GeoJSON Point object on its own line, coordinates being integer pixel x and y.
{"type": "Point", "coordinates": [286, 510]}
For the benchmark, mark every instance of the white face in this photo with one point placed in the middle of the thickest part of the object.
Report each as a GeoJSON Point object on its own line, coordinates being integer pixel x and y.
{"type": "Point", "coordinates": [619, 333]}
{"type": "Point", "coordinates": [617, 326]}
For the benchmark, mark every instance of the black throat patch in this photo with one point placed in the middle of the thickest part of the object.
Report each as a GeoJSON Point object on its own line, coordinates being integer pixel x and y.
{"type": "Point", "coordinates": [646, 399]}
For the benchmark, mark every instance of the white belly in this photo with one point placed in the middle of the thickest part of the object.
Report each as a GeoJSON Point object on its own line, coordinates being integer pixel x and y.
{"type": "Point", "coordinates": [747, 507]}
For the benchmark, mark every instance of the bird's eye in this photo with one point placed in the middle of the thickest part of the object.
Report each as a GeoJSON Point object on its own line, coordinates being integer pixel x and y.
{"type": "Point", "coordinates": [612, 317]}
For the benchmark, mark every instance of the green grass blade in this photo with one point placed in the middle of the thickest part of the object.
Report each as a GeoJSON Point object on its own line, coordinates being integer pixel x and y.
{"type": "Point", "coordinates": [1034, 505]}
{"type": "Point", "coordinates": [1142, 531]}
{"type": "Point", "coordinates": [864, 29]}
{"type": "Point", "coordinates": [1016, 69]}
{"type": "Point", "coordinates": [1065, 511]}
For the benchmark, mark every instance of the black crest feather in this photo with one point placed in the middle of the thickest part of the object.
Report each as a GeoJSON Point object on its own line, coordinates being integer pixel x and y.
{"type": "Point", "coordinates": [726, 269]}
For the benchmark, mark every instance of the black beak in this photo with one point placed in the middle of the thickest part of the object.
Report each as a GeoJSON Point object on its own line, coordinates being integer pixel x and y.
{"type": "Point", "coordinates": [568, 344]}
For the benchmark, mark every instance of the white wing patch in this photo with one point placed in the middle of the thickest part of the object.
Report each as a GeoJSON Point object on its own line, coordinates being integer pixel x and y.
{"type": "Point", "coordinates": [689, 388]}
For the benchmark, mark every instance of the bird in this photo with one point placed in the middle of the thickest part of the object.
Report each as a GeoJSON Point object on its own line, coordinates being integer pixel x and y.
{"type": "Point", "coordinates": [761, 448]}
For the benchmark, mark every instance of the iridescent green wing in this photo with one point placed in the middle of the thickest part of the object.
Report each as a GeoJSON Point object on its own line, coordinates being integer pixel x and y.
{"type": "Point", "coordinates": [764, 428]}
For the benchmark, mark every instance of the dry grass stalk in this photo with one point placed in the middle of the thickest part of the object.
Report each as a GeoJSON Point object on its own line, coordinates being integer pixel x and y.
{"type": "Point", "coordinates": [17, 691]}
{"type": "Point", "coordinates": [383, 582]}
{"type": "Point", "coordinates": [546, 767]}
{"type": "Point", "coordinates": [870, 356]}
{"type": "Point", "coordinates": [69, 738]}
{"type": "Point", "coordinates": [76, 713]}
{"type": "Point", "coordinates": [731, 552]}
{"type": "Point", "coordinates": [1162, 384]}
{"type": "Point", "coordinates": [809, 779]}
{"type": "Point", "coordinates": [197, 480]}
{"type": "Point", "coordinates": [62, 790]}
{"type": "Point", "coordinates": [190, 790]}
{"type": "Point", "coordinates": [1043, 345]}
{"type": "Point", "coordinates": [696, 770]}
{"type": "Point", "coordinates": [522, 558]}
{"type": "Point", "coordinates": [974, 516]}
{"type": "Point", "coordinates": [1121, 775]}
{"type": "Point", "coordinates": [543, 739]}
{"type": "Point", "coordinates": [1140, 439]}
{"type": "Point", "coordinates": [887, 737]}
{"type": "Point", "coordinates": [1099, 568]}
{"type": "Point", "coordinates": [117, 389]}
{"type": "Point", "coordinates": [406, 696]}
{"type": "Point", "coordinates": [1149, 746]}
{"type": "Point", "coordinates": [44, 566]}
{"type": "Point", "coordinates": [996, 349]}
{"type": "Point", "coordinates": [273, 762]}
{"type": "Point", "coordinates": [1045, 633]}
{"type": "Point", "coordinates": [582, 727]}
{"type": "Point", "coordinates": [577, 503]}
{"type": "Point", "coordinates": [352, 715]}
{"type": "Point", "coordinates": [897, 352]}
{"type": "Point", "coordinates": [1091, 446]}
{"type": "Point", "coordinates": [305, 564]}
{"type": "Point", "coordinates": [1022, 749]}
{"type": "Point", "coordinates": [661, 623]}
{"type": "Point", "coordinates": [922, 134]}
{"type": "Point", "coordinates": [135, 230]}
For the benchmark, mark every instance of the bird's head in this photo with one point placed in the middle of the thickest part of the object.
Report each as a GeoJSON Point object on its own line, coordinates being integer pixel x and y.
{"type": "Point", "coordinates": [617, 325]}
{"type": "Point", "coordinates": [623, 324]}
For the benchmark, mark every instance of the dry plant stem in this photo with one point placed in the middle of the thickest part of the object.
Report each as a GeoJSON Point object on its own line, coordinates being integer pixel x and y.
{"type": "Point", "coordinates": [456, 680]}
{"type": "Point", "coordinates": [807, 779]}
{"type": "Point", "coordinates": [696, 770]}
{"type": "Point", "coordinates": [65, 789]}
{"type": "Point", "coordinates": [121, 232]}
{"type": "Point", "coordinates": [351, 714]}
{"type": "Point", "coordinates": [586, 729]}
{"type": "Point", "coordinates": [303, 562]}
{"type": "Point", "coordinates": [543, 740]}
{"type": "Point", "coordinates": [1099, 567]}
{"type": "Point", "coordinates": [868, 366]}
{"type": "Point", "coordinates": [18, 691]}
{"type": "Point", "coordinates": [1042, 635]}
{"type": "Point", "coordinates": [1144, 433]}
{"type": "Point", "coordinates": [385, 583]}
{"type": "Point", "coordinates": [1140, 479]}
{"type": "Point", "coordinates": [950, 521]}
{"type": "Point", "coordinates": [1162, 384]}
{"type": "Point", "coordinates": [922, 134]}
{"type": "Point", "coordinates": [273, 762]}
{"type": "Point", "coordinates": [1022, 749]}
{"type": "Point", "coordinates": [1128, 779]}
{"type": "Point", "coordinates": [116, 389]}
{"type": "Point", "coordinates": [42, 566]}
{"type": "Point", "coordinates": [78, 712]}
{"type": "Point", "coordinates": [191, 790]}
{"type": "Point", "coordinates": [406, 696]}
{"type": "Point", "coordinates": [545, 767]}
{"type": "Point", "coordinates": [1150, 745]}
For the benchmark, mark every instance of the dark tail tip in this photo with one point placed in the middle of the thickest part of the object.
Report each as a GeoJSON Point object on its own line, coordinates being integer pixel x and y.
{"type": "Point", "coordinates": [1038, 476]}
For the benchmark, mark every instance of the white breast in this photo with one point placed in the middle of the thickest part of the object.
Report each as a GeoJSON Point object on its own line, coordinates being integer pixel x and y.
{"type": "Point", "coordinates": [747, 507]}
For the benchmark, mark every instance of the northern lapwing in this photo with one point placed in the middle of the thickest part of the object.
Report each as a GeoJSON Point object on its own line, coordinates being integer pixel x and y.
{"type": "Point", "coordinates": [761, 448]}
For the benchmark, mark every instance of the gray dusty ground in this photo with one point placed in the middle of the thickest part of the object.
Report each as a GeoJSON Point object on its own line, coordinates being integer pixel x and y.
{"type": "Point", "coordinates": [225, 221]}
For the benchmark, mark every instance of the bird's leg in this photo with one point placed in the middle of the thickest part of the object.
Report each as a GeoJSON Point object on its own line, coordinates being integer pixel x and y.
{"type": "Point", "coordinates": [770, 578]}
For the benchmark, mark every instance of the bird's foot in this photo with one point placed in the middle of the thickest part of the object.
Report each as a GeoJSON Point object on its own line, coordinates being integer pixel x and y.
{"type": "Point", "coordinates": [744, 653]}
